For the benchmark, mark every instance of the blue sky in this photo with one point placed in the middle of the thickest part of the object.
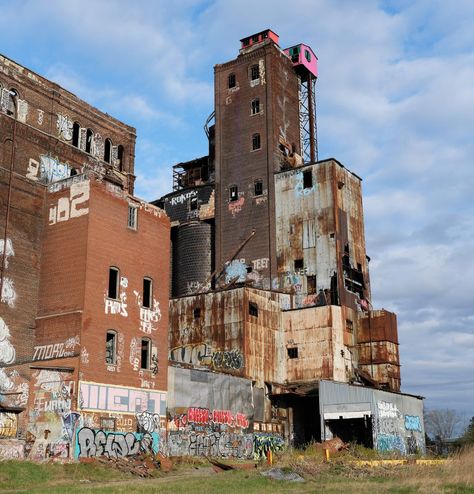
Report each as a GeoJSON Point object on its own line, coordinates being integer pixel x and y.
{"type": "Point", "coordinates": [395, 105]}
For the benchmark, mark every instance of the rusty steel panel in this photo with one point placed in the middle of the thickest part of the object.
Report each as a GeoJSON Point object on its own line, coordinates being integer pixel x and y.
{"type": "Point", "coordinates": [380, 325]}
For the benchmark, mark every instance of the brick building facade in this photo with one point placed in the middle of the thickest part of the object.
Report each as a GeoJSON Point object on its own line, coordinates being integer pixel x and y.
{"type": "Point", "coordinates": [83, 320]}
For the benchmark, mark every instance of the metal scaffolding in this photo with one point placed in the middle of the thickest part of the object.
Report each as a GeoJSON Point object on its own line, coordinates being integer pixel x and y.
{"type": "Point", "coordinates": [308, 127]}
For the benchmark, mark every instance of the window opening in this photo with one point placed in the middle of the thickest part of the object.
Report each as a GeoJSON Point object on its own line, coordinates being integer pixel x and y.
{"type": "Point", "coordinates": [197, 313]}
{"type": "Point", "coordinates": [292, 352]}
{"type": "Point", "coordinates": [258, 187]}
{"type": "Point", "coordinates": [255, 39]}
{"type": "Point", "coordinates": [193, 204]}
{"type": "Point", "coordinates": [88, 140]}
{"type": "Point", "coordinates": [113, 282]}
{"type": "Point", "coordinates": [255, 142]}
{"type": "Point", "coordinates": [255, 106]}
{"type": "Point", "coordinates": [147, 293]}
{"type": "Point", "coordinates": [307, 54]}
{"type": "Point", "coordinates": [231, 81]}
{"type": "Point", "coordinates": [253, 309]}
{"type": "Point", "coordinates": [120, 157]}
{"type": "Point", "coordinates": [246, 41]}
{"type": "Point", "coordinates": [307, 179]}
{"type": "Point", "coordinates": [75, 134]}
{"type": "Point", "coordinates": [233, 193]}
{"type": "Point", "coordinates": [132, 217]}
{"type": "Point", "coordinates": [311, 284]}
{"type": "Point", "coordinates": [145, 354]}
{"type": "Point", "coordinates": [110, 347]}
{"type": "Point", "coordinates": [349, 326]}
{"type": "Point", "coordinates": [107, 150]}
{"type": "Point", "coordinates": [299, 264]}
{"type": "Point", "coordinates": [254, 73]}
{"type": "Point", "coordinates": [11, 102]}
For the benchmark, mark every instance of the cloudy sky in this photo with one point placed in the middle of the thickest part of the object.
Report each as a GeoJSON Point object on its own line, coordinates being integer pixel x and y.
{"type": "Point", "coordinates": [395, 105]}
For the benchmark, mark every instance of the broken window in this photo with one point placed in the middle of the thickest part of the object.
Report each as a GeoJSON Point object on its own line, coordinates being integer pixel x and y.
{"type": "Point", "coordinates": [255, 38]}
{"type": "Point", "coordinates": [299, 264]}
{"type": "Point", "coordinates": [233, 193]}
{"type": "Point", "coordinates": [88, 140]}
{"type": "Point", "coordinates": [107, 150]}
{"type": "Point", "coordinates": [307, 55]}
{"type": "Point", "coordinates": [9, 101]}
{"type": "Point", "coordinates": [111, 347]}
{"type": "Point", "coordinates": [113, 282]}
{"type": "Point", "coordinates": [75, 134]}
{"type": "Point", "coordinates": [197, 313]}
{"type": "Point", "coordinates": [254, 73]}
{"type": "Point", "coordinates": [258, 187]}
{"type": "Point", "coordinates": [253, 309]}
{"type": "Point", "coordinates": [132, 217]}
{"type": "Point", "coordinates": [292, 352]}
{"type": "Point", "coordinates": [255, 106]}
{"type": "Point", "coordinates": [255, 142]}
{"type": "Point", "coordinates": [193, 203]}
{"type": "Point", "coordinates": [147, 293]}
{"type": "Point", "coordinates": [349, 326]}
{"type": "Point", "coordinates": [231, 81]}
{"type": "Point", "coordinates": [310, 284]}
{"type": "Point", "coordinates": [307, 179]}
{"type": "Point", "coordinates": [145, 353]}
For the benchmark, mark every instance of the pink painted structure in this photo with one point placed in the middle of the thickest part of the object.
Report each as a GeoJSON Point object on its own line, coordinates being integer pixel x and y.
{"type": "Point", "coordinates": [258, 38]}
{"type": "Point", "coordinates": [303, 57]}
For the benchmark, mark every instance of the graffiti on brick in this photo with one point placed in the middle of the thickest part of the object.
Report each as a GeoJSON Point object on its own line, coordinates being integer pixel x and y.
{"type": "Point", "coordinates": [56, 350]}
{"type": "Point", "coordinates": [74, 206]}
{"type": "Point", "coordinates": [93, 443]}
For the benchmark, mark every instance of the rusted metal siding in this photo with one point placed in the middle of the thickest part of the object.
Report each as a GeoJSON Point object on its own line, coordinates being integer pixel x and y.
{"type": "Point", "coordinates": [317, 333]}
{"type": "Point", "coordinates": [319, 224]}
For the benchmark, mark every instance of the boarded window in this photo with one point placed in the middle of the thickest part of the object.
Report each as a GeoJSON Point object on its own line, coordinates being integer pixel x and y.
{"type": "Point", "coordinates": [111, 347]}
{"type": "Point", "coordinates": [113, 282]}
{"type": "Point", "coordinates": [147, 292]}
{"type": "Point", "coordinates": [309, 234]}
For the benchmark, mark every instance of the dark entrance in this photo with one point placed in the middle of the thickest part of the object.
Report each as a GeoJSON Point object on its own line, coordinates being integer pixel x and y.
{"type": "Point", "coordinates": [353, 430]}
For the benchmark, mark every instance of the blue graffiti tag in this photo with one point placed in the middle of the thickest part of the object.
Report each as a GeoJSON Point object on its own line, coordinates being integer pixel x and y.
{"type": "Point", "coordinates": [391, 442]}
{"type": "Point", "coordinates": [412, 423]}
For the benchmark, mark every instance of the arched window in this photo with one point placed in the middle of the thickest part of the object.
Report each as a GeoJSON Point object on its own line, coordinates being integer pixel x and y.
{"type": "Point", "coordinates": [255, 142]}
{"type": "Point", "coordinates": [147, 292]}
{"type": "Point", "coordinates": [120, 157]}
{"type": "Point", "coordinates": [88, 140]}
{"type": "Point", "coordinates": [75, 134]}
{"type": "Point", "coordinates": [111, 347]}
{"type": "Point", "coordinates": [9, 101]}
{"type": "Point", "coordinates": [114, 278]}
{"type": "Point", "coordinates": [107, 150]}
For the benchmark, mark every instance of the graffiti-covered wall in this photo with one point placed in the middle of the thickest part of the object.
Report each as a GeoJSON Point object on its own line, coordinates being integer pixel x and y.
{"type": "Point", "coordinates": [396, 419]}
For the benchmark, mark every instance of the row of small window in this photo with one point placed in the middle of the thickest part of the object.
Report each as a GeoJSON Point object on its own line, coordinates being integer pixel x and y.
{"type": "Point", "coordinates": [89, 135]}
{"type": "Point", "coordinates": [254, 74]}
{"type": "Point", "coordinates": [234, 190]}
{"type": "Point", "coordinates": [111, 350]}
{"type": "Point", "coordinates": [113, 290]}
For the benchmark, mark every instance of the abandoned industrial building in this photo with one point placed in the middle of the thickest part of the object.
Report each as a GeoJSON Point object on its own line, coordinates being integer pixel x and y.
{"type": "Point", "coordinates": [230, 317]}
